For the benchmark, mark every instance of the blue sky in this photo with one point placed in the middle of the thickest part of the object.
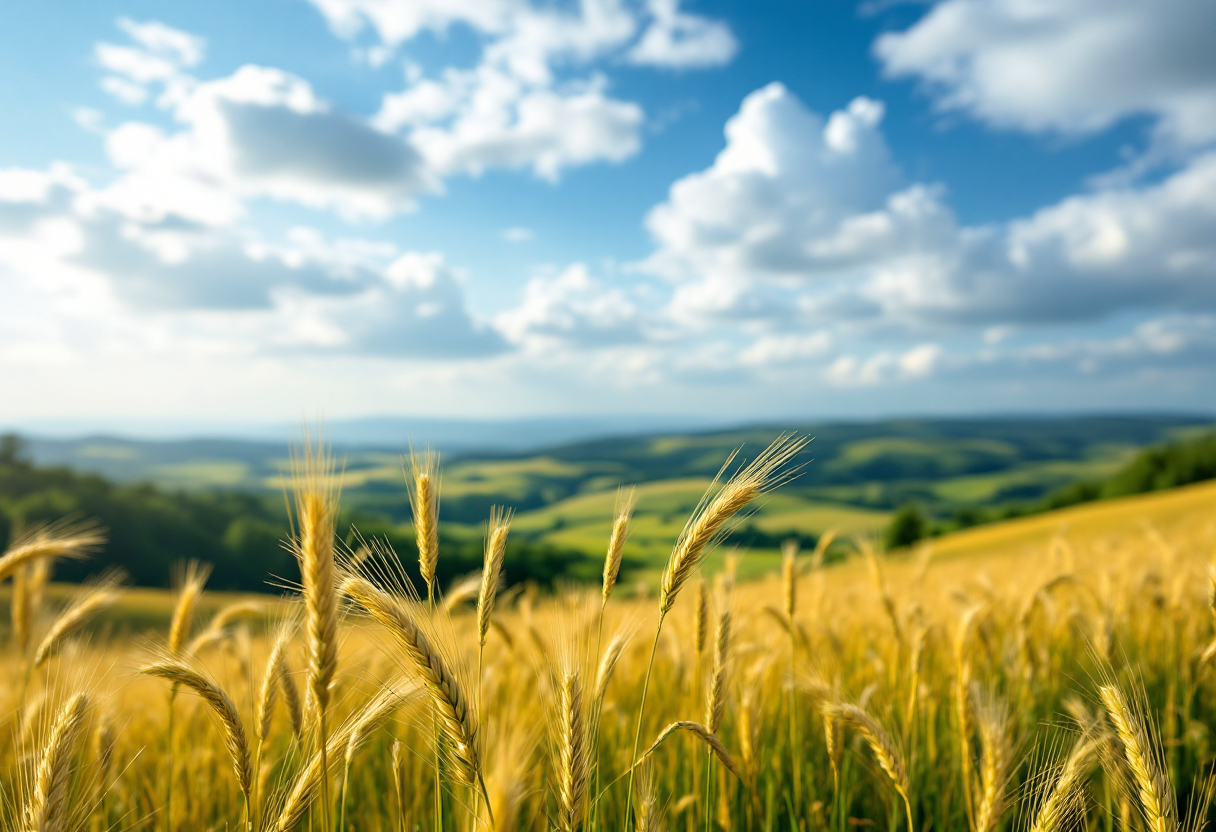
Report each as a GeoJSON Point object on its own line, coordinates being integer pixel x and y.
{"type": "Point", "coordinates": [239, 212]}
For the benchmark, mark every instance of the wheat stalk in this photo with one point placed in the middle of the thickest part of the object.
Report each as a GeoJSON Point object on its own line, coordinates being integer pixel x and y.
{"type": "Point", "coordinates": [316, 505]}
{"type": "Point", "coordinates": [193, 576]}
{"type": "Point", "coordinates": [608, 662]}
{"type": "Point", "coordinates": [702, 530]}
{"type": "Point", "coordinates": [834, 743]}
{"type": "Point", "coordinates": [574, 757]}
{"type": "Point", "coordinates": [316, 771]}
{"type": "Point", "coordinates": [1064, 799]}
{"type": "Point", "coordinates": [291, 697]}
{"type": "Point", "coordinates": [456, 716]}
{"type": "Point", "coordinates": [22, 611]}
{"type": "Point", "coordinates": [702, 733]}
{"type": "Point", "coordinates": [496, 550]}
{"type": "Point", "coordinates": [461, 592]}
{"type": "Point", "coordinates": [93, 600]}
{"type": "Point", "coordinates": [710, 520]}
{"type": "Point", "coordinates": [222, 707]}
{"type": "Point", "coordinates": [47, 809]}
{"type": "Point", "coordinates": [58, 540]}
{"type": "Point", "coordinates": [715, 702]}
{"type": "Point", "coordinates": [271, 683]}
{"type": "Point", "coordinates": [789, 577]}
{"type": "Point", "coordinates": [216, 629]}
{"type": "Point", "coordinates": [882, 746]}
{"type": "Point", "coordinates": [1153, 787]}
{"type": "Point", "coordinates": [994, 769]}
{"type": "Point", "coordinates": [424, 503]}
{"type": "Point", "coordinates": [700, 626]}
{"type": "Point", "coordinates": [623, 512]}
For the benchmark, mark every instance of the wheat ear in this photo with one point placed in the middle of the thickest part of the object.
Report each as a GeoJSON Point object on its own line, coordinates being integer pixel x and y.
{"type": "Point", "coordinates": [608, 662]}
{"type": "Point", "coordinates": [193, 576]}
{"type": "Point", "coordinates": [994, 769]}
{"type": "Point", "coordinates": [22, 611]}
{"type": "Point", "coordinates": [834, 743]}
{"type": "Point", "coordinates": [47, 810]}
{"type": "Point", "coordinates": [702, 733]}
{"type": "Point", "coordinates": [1065, 795]}
{"type": "Point", "coordinates": [222, 706]}
{"type": "Point", "coordinates": [95, 598]}
{"type": "Point", "coordinates": [453, 706]}
{"type": "Point", "coordinates": [574, 757]}
{"type": "Point", "coordinates": [75, 541]}
{"type": "Point", "coordinates": [424, 504]}
{"type": "Point", "coordinates": [1156, 794]}
{"type": "Point", "coordinates": [623, 512]}
{"type": "Point", "coordinates": [881, 746]}
{"type": "Point", "coordinates": [308, 781]}
{"type": "Point", "coordinates": [491, 572]}
{"type": "Point", "coordinates": [649, 817]}
{"type": "Point", "coordinates": [789, 577]}
{"type": "Point", "coordinates": [715, 702]}
{"type": "Point", "coordinates": [316, 506]}
{"type": "Point", "coordinates": [461, 592]}
{"type": "Point", "coordinates": [700, 626]}
{"type": "Point", "coordinates": [291, 697]}
{"type": "Point", "coordinates": [709, 521]}
{"type": "Point", "coordinates": [269, 690]}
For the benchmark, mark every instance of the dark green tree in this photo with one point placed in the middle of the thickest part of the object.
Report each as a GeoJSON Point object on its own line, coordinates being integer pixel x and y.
{"type": "Point", "coordinates": [907, 526]}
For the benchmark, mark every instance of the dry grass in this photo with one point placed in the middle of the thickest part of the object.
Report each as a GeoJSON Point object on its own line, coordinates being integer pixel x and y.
{"type": "Point", "coordinates": [1066, 664]}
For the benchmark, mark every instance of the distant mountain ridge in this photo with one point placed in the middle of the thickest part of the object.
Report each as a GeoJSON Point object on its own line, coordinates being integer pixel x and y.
{"type": "Point", "coordinates": [636, 449]}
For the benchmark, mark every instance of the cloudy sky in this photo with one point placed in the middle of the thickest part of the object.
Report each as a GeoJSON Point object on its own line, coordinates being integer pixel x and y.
{"type": "Point", "coordinates": [249, 211]}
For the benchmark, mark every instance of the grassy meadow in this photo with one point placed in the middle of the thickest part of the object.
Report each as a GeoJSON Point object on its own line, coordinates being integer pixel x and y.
{"type": "Point", "coordinates": [1046, 673]}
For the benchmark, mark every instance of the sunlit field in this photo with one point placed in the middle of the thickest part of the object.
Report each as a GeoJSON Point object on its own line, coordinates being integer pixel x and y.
{"type": "Point", "coordinates": [1042, 674]}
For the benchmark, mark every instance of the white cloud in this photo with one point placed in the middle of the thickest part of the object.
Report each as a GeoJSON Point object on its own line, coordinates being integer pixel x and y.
{"type": "Point", "coordinates": [259, 132]}
{"type": "Point", "coordinates": [125, 91]}
{"type": "Point", "coordinates": [572, 308]}
{"type": "Point", "coordinates": [770, 350]}
{"type": "Point", "coordinates": [803, 220]}
{"type": "Point", "coordinates": [505, 124]}
{"type": "Point", "coordinates": [396, 22]}
{"type": "Point", "coordinates": [676, 39]}
{"type": "Point", "coordinates": [184, 48]}
{"type": "Point", "coordinates": [790, 195]}
{"type": "Point", "coordinates": [531, 102]}
{"type": "Point", "coordinates": [884, 366]}
{"type": "Point", "coordinates": [219, 290]}
{"type": "Point", "coordinates": [1068, 66]}
{"type": "Point", "coordinates": [415, 309]}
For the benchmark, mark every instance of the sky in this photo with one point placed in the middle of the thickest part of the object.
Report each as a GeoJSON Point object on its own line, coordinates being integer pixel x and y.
{"type": "Point", "coordinates": [242, 212]}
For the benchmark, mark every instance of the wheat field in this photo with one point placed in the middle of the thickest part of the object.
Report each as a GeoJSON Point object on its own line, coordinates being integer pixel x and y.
{"type": "Point", "coordinates": [1048, 674]}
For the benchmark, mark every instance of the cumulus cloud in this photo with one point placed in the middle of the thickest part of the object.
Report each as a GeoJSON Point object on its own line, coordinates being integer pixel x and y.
{"type": "Point", "coordinates": [396, 22]}
{"type": "Point", "coordinates": [677, 39]}
{"type": "Point", "coordinates": [572, 309]}
{"type": "Point", "coordinates": [884, 366]}
{"type": "Point", "coordinates": [1067, 66]}
{"type": "Point", "coordinates": [503, 123]}
{"type": "Point", "coordinates": [791, 194]}
{"type": "Point", "coordinates": [802, 219]}
{"type": "Point", "coordinates": [219, 284]}
{"type": "Point", "coordinates": [259, 132]}
{"type": "Point", "coordinates": [532, 102]}
{"type": "Point", "coordinates": [416, 309]}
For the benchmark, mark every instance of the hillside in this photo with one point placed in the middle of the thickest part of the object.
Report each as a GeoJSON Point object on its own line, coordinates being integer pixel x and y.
{"type": "Point", "coordinates": [222, 500]}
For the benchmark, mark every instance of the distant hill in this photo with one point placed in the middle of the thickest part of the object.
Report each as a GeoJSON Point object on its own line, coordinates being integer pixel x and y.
{"type": "Point", "coordinates": [854, 474]}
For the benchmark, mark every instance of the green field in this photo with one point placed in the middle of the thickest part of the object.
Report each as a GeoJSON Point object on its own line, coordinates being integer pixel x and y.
{"type": "Point", "coordinates": [851, 478]}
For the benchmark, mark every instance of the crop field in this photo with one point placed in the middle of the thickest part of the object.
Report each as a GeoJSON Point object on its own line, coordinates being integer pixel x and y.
{"type": "Point", "coordinates": [1047, 674]}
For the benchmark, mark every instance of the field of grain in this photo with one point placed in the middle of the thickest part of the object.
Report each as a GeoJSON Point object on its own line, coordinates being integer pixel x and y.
{"type": "Point", "coordinates": [1044, 674]}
